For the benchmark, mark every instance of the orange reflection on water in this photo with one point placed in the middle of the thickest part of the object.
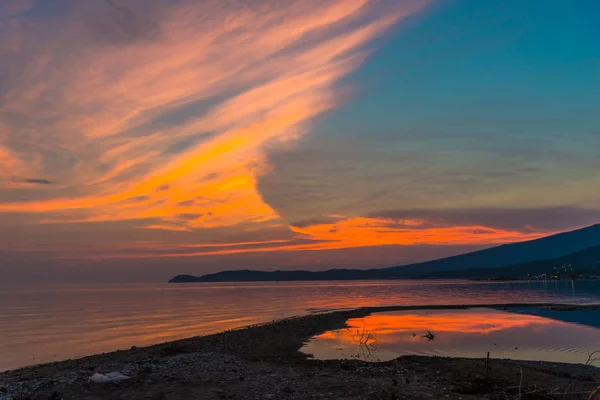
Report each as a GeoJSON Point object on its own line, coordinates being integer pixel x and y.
{"type": "Point", "coordinates": [389, 328]}
{"type": "Point", "coordinates": [456, 333]}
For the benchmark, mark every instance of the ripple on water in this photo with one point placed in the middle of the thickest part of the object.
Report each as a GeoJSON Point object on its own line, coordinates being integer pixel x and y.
{"type": "Point", "coordinates": [42, 323]}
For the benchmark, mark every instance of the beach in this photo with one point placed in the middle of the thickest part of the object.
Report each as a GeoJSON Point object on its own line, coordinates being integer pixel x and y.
{"type": "Point", "coordinates": [264, 362]}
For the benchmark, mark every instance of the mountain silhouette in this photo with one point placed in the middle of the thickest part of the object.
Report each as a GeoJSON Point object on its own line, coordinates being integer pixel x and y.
{"type": "Point", "coordinates": [584, 262]}
{"type": "Point", "coordinates": [546, 248]}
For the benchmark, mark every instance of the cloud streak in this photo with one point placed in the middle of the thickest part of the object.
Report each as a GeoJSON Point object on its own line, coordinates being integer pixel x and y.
{"type": "Point", "coordinates": [340, 233]}
{"type": "Point", "coordinates": [231, 86]}
{"type": "Point", "coordinates": [162, 117]}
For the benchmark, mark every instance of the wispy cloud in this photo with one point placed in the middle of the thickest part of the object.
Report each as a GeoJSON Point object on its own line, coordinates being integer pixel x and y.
{"type": "Point", "coordinates": [38, 181]}
{"type": "Point", "coordinates": [339, 233]}
{"type": "Point", "coordinates": [99, 105]}
{"type": "Point", "coordinates": [364, 231]}
{"type": "Point", "coordinates": [165, 115]}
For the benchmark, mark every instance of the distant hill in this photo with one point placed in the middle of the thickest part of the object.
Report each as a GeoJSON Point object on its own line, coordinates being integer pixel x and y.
{"type": "Point", "coordinates": [584, 262]}
{"type": "Point", "coordinates": [509, 254]}
{"type": "Point", "coordinates": [257, 276]}
{"type": "Point", "coordinates": [546, 248]}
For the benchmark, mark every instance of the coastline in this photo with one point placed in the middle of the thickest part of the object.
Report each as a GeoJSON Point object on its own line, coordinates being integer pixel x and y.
{"type": "Point", "coordinates": [264, 361]}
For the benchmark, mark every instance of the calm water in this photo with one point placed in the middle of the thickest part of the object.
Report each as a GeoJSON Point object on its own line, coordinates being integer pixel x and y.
{"type": "Point", "coordinates": [47, 323]}
{"type": "Point", "coordinates": [458, 333]}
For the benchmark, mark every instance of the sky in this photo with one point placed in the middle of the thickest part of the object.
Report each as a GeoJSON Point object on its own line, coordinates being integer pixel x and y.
{"type": "Point", "coordinates": [141, 139]}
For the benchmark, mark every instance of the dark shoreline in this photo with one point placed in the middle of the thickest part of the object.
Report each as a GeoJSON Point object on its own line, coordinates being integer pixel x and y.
{"type": "Point", "coordinates": [183, 367]}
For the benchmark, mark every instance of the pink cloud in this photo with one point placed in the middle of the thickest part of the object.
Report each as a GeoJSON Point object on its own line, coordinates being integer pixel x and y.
{"type": "Point", "coordinates": [266, 71]}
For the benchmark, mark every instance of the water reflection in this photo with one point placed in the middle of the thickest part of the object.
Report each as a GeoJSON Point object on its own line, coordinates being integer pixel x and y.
{"type": "Point", "coordinates": [457, 333]}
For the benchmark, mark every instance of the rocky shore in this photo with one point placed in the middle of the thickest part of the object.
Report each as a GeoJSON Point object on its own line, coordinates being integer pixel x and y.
{"type": "Point", "coordinates": [264, 362]}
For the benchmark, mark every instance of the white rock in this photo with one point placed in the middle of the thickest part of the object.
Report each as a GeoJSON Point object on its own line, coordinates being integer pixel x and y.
{"type": "Point", "coordinates": [110, 377]}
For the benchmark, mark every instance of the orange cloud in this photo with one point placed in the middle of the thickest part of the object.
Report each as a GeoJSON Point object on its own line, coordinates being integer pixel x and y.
{"type": "Point", "coordinates": [340, 234]}
{"type": "Point", "coordinates": [243, 80]}
{"type": "Point", "coordinates": [169, 124]}
{"type": "Point", "coordinates": [362, 231]}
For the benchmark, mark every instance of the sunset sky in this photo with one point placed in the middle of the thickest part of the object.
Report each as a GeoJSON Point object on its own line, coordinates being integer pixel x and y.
{"type": "Point", "coordinates": [140, 139]}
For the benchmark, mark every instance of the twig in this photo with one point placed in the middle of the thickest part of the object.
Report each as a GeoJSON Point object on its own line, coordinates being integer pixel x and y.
{"type": "Point", "coordinates": [595, 394]}
{"type": "Point", "coordinates": [487, 367]}
{"type": "Point", "coordinates": [591, 357]}
{"type": "Point", "coordinates": [520, 381]}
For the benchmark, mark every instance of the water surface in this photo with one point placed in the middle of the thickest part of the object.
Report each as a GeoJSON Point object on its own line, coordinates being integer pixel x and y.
{"type": "Point", "coordinates": [457, 333]}
{"type": "Point", "coordinates": [53, 322]}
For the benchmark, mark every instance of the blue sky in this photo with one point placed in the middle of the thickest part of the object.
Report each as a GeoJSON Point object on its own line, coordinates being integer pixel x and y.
{"type": "Point", "coordinates": [504, 91]}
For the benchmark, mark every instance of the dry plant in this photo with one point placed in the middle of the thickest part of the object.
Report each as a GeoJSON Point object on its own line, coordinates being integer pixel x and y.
{"type": "Point", "coordinates": [367, 344]}
{"type": "Point", "coordinates": [593, 356]}
{"type": "Point", "coordinates": [484, 384]}
{"type": "Point", "coordinates": [429, 336]}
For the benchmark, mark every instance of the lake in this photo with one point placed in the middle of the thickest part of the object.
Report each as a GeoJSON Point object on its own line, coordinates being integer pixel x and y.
{"type": "Point", "coordinates": [53, 322]}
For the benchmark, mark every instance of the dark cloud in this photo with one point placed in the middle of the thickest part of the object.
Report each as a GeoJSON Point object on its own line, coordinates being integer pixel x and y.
{"type": "Point", "coordinates": [15, 7]}
{"type": "Point", "coordinates": [186, 203]}
{"type": "Point", "coordinates": [136, 199]}
{"type": "Point", "coordinates": [314, 221]}
{"type": "Point", "coordinates": [182, 145]}
{"type": "Point", "coordinates": [190, 216]}
{"type": "Point", "coordinates": [211, 177]}
{"type": "Point", "coordinates": [162, 188]}
{"type": "Point", "coordinates": [38, 181]}
{"type": "Point", "coordinates": [122, 24]}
